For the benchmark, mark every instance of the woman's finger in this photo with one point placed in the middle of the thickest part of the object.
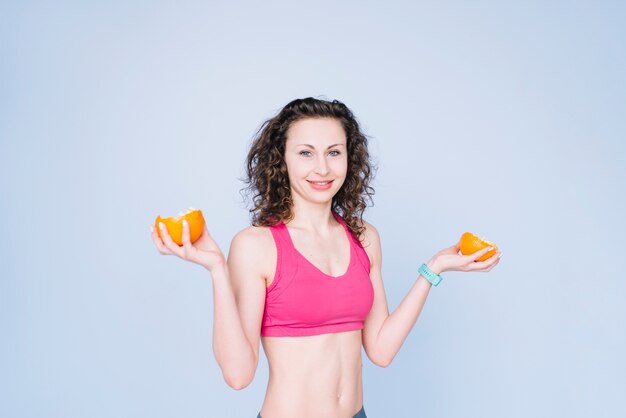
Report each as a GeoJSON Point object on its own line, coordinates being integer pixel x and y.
{"type": "Point", "coordinates": [186, 239]}
{"type": "Point", "coordinates": [187, 247]}
{"type": "Point", "coordinates": [484, 265]}
{"type": "Point", "coordinates": [158, 242]}
{"type": "Point", "coordinates": [488, 267]}
{"type": "Point", "coordinates": [480, 253]}
{"type": "Point", "coordinates": [169, 243]}
{"type": "Point", "coordinates": [493, 265]}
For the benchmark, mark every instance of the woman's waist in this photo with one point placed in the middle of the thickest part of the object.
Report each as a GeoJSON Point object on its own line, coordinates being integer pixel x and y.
{"type": "Point", "coordinates": [328, 375]}
{"type": "Point", "coordinates": [318, 394]}
{"type": "Point", "coordinates": [322, 355]}
{"type": "Point", "coordinates": [345, 341]}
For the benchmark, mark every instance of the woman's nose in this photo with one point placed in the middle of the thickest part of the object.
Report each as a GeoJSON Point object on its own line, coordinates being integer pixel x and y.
{"type": "Point", "coordinates": [322, 166]}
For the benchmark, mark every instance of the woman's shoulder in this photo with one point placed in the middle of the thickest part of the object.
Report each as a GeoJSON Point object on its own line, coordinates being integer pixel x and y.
{"type": "Point", "coordinates": [254, 247]}
{"type": "Point", "coordinates": [370, 234]}
{"type": "Point", "coordinates": [253, 237]}
{"type": "Point", "coordinates": [371, 243]}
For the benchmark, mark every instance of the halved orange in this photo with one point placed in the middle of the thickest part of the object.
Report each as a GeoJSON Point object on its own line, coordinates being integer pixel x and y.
{"type": "Point", "coordinates": [470, 243]}
{"type": "Point", "coordinates": [174, 225]}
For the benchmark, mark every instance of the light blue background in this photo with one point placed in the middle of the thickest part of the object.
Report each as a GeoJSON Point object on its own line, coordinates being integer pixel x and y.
{"type": "Point", "coordinates": [502, 118]}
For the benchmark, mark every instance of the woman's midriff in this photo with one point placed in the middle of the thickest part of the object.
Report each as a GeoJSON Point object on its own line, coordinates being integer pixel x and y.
{"type": "Point", "coordinates": [314, 376]}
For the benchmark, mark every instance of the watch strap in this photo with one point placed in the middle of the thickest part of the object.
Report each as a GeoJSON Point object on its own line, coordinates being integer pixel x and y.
{"type": "Point", "coordinates": [429, 275]}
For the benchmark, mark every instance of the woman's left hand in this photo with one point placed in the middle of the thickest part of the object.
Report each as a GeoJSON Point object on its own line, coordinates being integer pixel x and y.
{"type": "Point", "coordinates": [449, 259]}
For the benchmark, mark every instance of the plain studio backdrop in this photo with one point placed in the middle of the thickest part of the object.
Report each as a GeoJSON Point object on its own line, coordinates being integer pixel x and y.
{"type": "Point", "coordinates": [507, 119]}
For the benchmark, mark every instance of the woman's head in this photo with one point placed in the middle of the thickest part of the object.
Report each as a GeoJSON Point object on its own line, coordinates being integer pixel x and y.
{"type": "Point", "coordinates": [309, 140]}
{"type": "Point", "coordinates": [317, 159]}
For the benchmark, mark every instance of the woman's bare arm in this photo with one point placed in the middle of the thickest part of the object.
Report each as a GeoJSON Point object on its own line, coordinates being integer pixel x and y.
{"type": "Point", "coordinates": [384, 333]}
{"type": "Point", "coordinates": [239, 300]}
{"type": "Point", "coordinates": [238, 293]}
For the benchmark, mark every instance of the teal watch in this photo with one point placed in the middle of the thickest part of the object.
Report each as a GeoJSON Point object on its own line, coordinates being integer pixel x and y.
{"type": "Point", "coordinates": [429, 275]}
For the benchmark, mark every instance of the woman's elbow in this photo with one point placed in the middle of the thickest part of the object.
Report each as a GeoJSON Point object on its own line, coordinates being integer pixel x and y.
{"type": "Point", "coordinates": [238, 382]}
{"type": "Point", "coordinates": [380, 361]}
{"type": "Point", "coordinates": [238, 385]}
{"type": "Point", "coordinates": [384, 363]}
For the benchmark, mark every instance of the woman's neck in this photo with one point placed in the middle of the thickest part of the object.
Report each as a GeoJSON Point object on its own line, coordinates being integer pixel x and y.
{"type": "Point", "coordinates": [315, 218]}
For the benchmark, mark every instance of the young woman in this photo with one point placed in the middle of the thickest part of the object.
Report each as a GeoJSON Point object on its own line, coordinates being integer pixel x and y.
{"type": "Point", "coordinates": [305, 278]}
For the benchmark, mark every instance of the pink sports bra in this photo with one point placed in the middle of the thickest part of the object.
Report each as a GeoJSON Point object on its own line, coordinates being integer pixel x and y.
{"type": "Point", "coordinates": [302, 300]}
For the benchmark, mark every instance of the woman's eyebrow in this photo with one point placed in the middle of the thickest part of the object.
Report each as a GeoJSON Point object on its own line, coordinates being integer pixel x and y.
{"type": "Point", "coordinates": [312, 147]}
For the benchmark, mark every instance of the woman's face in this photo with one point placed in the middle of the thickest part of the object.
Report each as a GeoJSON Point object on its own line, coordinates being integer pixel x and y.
{"type": "Point", "coordinates": [316, 155]}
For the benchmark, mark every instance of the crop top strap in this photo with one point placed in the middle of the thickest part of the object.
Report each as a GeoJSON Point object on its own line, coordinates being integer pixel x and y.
{"type": "Point", "coordinates": [286, 258]}
{"type": "Point", "coordinates": [356, 244]}
{"type": "Point", "coordinates": [281, 238]}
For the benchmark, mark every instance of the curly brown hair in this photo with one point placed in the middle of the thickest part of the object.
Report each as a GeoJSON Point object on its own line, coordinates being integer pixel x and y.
{"type": "Point", "coordinates": [267, 178]}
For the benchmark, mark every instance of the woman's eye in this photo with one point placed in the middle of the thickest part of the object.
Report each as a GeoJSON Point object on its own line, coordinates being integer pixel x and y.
{"type": "Point", "coordinates": [332, 153]}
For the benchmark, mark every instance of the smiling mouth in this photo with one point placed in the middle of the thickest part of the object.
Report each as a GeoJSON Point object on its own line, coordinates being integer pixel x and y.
{"type": "Point", "coordinates": [320, 183]}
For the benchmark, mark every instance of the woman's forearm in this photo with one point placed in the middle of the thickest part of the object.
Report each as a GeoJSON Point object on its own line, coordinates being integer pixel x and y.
{"type": "Point", "coordinates": [399, 323]}
{"type": "Point", "coordinates": [231, 348]}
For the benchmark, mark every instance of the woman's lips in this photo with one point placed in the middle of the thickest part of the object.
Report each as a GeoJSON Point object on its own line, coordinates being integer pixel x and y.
{"type": "Point", "coordinates": [325, 185]}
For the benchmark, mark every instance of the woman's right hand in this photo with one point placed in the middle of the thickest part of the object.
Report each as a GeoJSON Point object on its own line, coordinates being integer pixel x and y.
{"type": "Point", "coordinates": [204, 251]}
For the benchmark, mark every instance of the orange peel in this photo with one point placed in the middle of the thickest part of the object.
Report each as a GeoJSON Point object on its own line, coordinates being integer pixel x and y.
{"type": "Point", "coordinates": [174, 225]}
{"type": "Point", "coordinates": [470, 243]}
